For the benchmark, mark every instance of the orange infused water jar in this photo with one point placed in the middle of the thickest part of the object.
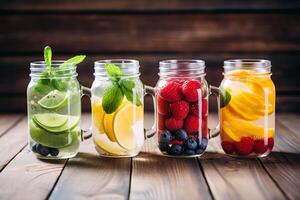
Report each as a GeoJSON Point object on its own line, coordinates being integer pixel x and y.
{"type": "Point", "coordinates": [117, 108]}
{"type": "Point", "coordinates": [247, 108]}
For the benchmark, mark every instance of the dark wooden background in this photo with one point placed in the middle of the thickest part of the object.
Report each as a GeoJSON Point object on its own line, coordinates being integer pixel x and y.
{"type": "Point", "coordinates": [150, 31]}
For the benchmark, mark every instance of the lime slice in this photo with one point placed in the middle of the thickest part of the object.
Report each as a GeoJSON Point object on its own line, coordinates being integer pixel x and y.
{"type": "Point", "coordinates": [50, 120]}
{"type": "Point", "coordinates": [48, 139]}
{"type": "Point", "coordinates": [72, 122]}
{"type": "Point", "coordinates": [54, 100]}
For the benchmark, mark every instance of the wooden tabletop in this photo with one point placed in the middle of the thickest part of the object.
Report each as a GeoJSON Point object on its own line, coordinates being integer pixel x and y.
{"type": "Point", "coordinates": [149, 176]}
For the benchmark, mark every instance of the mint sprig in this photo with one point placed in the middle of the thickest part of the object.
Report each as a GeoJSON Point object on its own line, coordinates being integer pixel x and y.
{"type": "Point", "coordinates": [48, 80]}
{"type": "Point", "coordinates": [113, 95]}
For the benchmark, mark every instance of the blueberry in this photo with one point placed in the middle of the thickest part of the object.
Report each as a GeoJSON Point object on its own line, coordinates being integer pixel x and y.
{"type": "Point", "coordinates": [33, 148]}
{"type": "Point", "coordinates": [191, 144]}
{"type": "Point", "coordinates": [199, 151]}
{"type": "Point", "coordinates": [44, 151]}
{"type": "Point", "coordinates": [165, 137]}
{"type": "Point", "coordinates": [190, 152]}
{"type": "Point", "coordinates": [176, 149]}
{"type": "Point", "coordinates": [54, 151]}
{"type": "Point", "coordinates": [181, 135]}
{"type": "Point", "coordinates": [163, 146]}
{"type": "Point", "coordinates": [203, 144]}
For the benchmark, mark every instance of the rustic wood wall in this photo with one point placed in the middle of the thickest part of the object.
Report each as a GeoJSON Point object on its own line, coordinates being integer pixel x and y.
{"type": "Point", "coordinates": [150, 31]}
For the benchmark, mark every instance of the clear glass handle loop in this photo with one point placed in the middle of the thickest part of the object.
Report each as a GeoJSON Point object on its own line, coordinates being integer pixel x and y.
{"type": "Point", "coordinates": [215, 131]}
{"type": "Point", "coordinates": [150, 132]}
{"type": "Point", "coordinates": [86, 134]}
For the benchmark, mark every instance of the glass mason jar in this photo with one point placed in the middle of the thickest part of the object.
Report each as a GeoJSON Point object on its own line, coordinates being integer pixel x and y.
{"type": "Point", "coordinates": [182, 108]}
{"type": "Point", "coordinates": [118, 109]}
{"type": "Point", "coordinates": [247, 108]}
{"type": "Point", "coordinates": [54, 110]}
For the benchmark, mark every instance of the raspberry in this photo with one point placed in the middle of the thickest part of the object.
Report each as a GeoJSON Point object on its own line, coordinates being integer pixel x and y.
{"type": "Point", "coordinates": [171, 92]}
{"type": "Point", "coordinates": [270, 143]}
{"type": "Point", "coordinates": [162, 106]}
{"type": "Point", "coordinates": [228, 147]}
{"type": "Point", "coordinates": [161, 121]}
{"type": "Point", "coordinates": [191, 124]}
{"type": "Point", "coordinates": [189, 90]}
{"type": "Point", "coordinates": [244, 146]}
{"type": "Point", "coordinates": [173, 124]}
{"type": "Point", "coordinates": [194, 109]}
{"type": "Point", "coordinates": [180, 109]}
{"type": "Point", "coordinates": [176, 142]}
{"type": "Point", "coordinates": [260, 147]}
{"type": "Point", "coordinates": [204, 126]}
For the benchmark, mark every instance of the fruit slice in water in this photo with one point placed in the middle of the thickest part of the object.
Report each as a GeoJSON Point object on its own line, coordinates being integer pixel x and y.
{"type": "Point", "coordinates": [124, 130]}
{"type": "Point", "coordinates": [72, 122]}
{"type": "Point", "coordinates": [54, 100]}
{"type": "Point", "coordinates": [107, 146]}
{"type": "Point", "coordinates": [50, 120]}
{"type": "Point", "coordinates": [48, 139]}
{"type": "Point", "coordinates": [98, 116]}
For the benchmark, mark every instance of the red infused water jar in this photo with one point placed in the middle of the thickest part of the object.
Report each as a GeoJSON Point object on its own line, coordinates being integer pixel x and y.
{"type": "Point", "coordinates": [182, 108]}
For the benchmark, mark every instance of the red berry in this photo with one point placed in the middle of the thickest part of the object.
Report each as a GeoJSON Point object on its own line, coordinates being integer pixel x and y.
{"type": "Point", "coordinates": [191, 124]}
{"type": "Point", "coordinates": [270, 143]}
{"type": "Point", "coordinates": [244, 146]}
{"type": "Point", "coordinates": [162, 106]}
{"type": "Point", "coordinates": [171, 92]}
{"type": "Point", "coordinates": [176, 142]}
{"type": "Point", "coordinates": [228, 147]}
{"type": "Point", "coordinates": [260, 147]}
{"type": "Point", "coordinates": [194, 109]}
{"type": "Point", "coordinates": [161, 121]}
{"type": "Point", "coordinates": [173, 124]}
{"type": "Point", "coordinates": [189, 90]}
{"type": "Point", "coordinates": [180, 109]}
{"type": "Point", "coordinates": [204, 126]}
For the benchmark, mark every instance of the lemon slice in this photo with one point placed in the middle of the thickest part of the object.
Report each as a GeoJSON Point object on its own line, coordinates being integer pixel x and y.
{"type": "Point", "coordinates": [124, 123]}
{"type": "Point", "coordinates": [107, 146]}
{"type": "Point", "coordinates": [54, 100]}
{"type": "Point", "coordinates": [98, 116]}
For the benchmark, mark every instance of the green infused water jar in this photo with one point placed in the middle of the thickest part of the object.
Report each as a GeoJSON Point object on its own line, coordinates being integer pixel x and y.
{"type": "Point", "coordinates": [54, 108]}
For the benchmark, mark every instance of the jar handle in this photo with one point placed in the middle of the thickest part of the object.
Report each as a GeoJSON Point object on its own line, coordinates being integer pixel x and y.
{"type": "Point", "coordinates": [216, 130]}
{"type": "Point", "coordinates": [150, 132]}
{"type": "Point", "coordinates": [86, 134]}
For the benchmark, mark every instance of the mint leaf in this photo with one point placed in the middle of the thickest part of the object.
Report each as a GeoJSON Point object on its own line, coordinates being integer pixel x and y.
{"type": "Point", "coordinates": [127, 88]}
{"type": "Point", "coordinates": [75, 60]}
{"type": "Point", "coordinates": [48, 56]}
{"type": "Point", "coordinates": [112, 98]}
{"type": "Point", "coordinates": [225, 97]}
{"type": "Point", "coordinates": [113, 70]}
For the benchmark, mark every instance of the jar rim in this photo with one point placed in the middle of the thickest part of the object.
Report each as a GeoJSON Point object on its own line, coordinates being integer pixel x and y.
{"type": "Point", "coordinates": [259, 65]}
{"type": "Point", "coordinates": [182, 68]}
{"type": "Point", "coordinates": [129, 67]}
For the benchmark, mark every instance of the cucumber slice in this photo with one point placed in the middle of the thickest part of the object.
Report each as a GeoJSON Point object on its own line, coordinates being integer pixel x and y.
{"type": "Point", "coordinates": [54, 100]}
{"type": "Point", "coordinates": [48, 139]}
{"type": "Point", "coordinates": [51, 120]}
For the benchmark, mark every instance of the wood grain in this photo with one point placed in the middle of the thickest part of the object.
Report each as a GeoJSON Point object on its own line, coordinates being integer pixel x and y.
{"type": "Point", "coordinates": [7, 122]}
{"type": "Point", "coordinates": [202, 33]}
{"type": "Point", "coordinates": [12, 142]}
{"type": "Point", "coordinates": [27, 177]}
{"type": "Point", "coordinates": [144, 5]}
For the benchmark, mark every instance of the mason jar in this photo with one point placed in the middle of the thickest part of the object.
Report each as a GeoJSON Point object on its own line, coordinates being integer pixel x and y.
{"type": "Point", "coordinates": [247, 108]}
{"type": "Point", "coordinates": [54, 110]}
{"type": "Point", "coordinates": [182, 108]}
{"type": "Point", "coordinates": [117, 97]}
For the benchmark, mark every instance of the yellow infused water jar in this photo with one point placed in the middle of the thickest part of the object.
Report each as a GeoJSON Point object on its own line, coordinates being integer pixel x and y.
{"type": "Point", "coordinates": [247, 108]}
{"type": "Point", "coordinates": [117, 108]}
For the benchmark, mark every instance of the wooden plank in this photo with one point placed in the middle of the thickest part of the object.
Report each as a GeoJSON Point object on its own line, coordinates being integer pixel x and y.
{"type": "Point", "coordinates": [89, 175]}
{"type": "Point", "coordinates": [76, 33]}
{"type": "Point", "coordinates": [144, 5]}
{"type": "Point", "coordinates": [26, 176]}
{"type": "Point", "coordinates": [12, 142]}
{"type": "Point", "coordinates": [7, 122]}
{"type": "Point", "coordinates": [284, 166]}
{"type": "Point", "coordinates": [156, 177]}
{"type": "Point", "coordinates": [236, 178]}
